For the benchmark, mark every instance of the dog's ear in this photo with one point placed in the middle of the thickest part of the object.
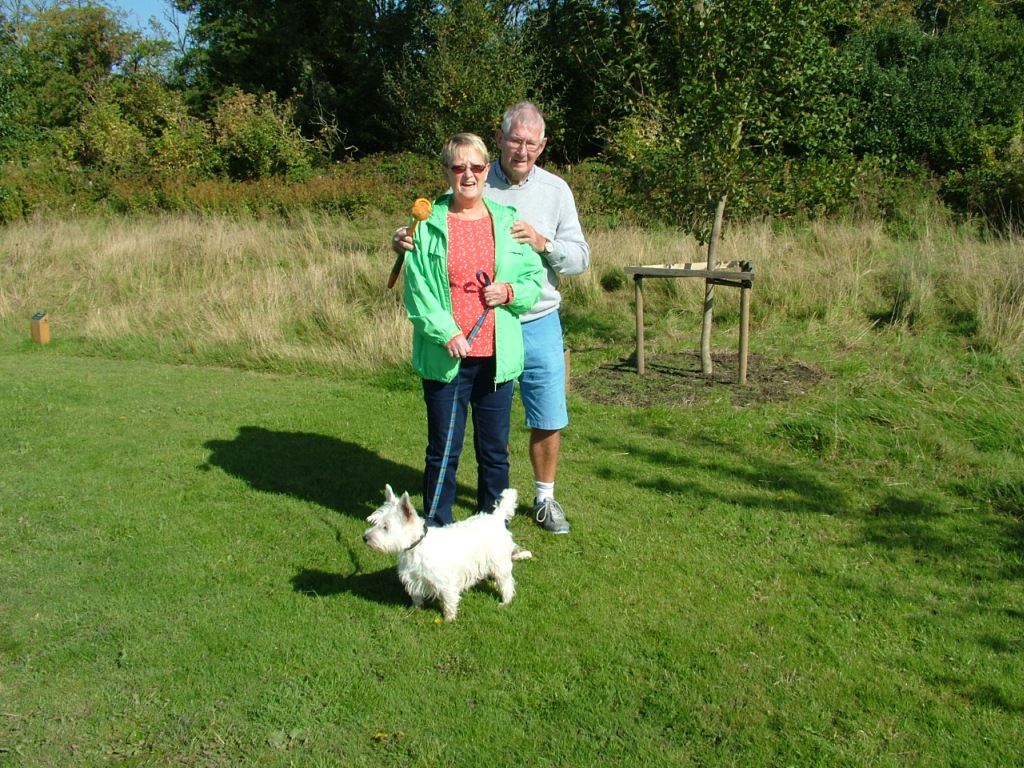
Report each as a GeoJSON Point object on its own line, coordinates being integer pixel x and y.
{"type": "Point", "coordinates": [389, 495]}
{"type": "Point", "coordinates": [407, 509]}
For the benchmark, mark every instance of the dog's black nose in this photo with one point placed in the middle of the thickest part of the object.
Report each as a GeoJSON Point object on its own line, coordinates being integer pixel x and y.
{"type": "Point", "coordinates": [365, 535]}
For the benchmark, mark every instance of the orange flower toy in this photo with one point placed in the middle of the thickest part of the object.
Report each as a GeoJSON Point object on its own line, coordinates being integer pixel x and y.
{"type": "Point", "coordinates": [420, 212]}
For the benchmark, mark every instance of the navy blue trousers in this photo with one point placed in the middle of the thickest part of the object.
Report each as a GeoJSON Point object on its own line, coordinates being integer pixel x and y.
{"type": "Point", "coordinates": [492, 411]}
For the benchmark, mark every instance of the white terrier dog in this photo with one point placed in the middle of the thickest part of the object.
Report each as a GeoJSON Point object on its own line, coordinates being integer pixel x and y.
{"type": "Point", "coordinates": [443, 563]}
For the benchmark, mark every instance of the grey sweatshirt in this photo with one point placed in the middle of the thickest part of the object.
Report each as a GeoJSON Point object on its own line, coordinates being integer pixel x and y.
{"type": "Point", "coordinates": [545, 202]}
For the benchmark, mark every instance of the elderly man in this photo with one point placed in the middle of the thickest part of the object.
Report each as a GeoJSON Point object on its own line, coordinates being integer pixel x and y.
{"type": "Point", "coordinates": [550, 224]}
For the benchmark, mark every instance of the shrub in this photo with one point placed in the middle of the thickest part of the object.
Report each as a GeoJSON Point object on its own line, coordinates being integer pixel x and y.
{"type": "Point", "coordinates": [107, 141]}
{"type": "Point", "coordinates": [600, 190]}
{"type": "Point", "coordinates": [257, 139]}
{"type": "Point", "coordinates": [184, 150]}
{"type": "Point", "coordinates": [11, 206]}
{"type": "Point", "coordinates": [993, 186]}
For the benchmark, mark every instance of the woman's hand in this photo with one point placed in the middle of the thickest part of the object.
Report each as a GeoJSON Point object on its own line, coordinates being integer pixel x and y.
{"type": "Point", "coordinates": [496, 294]}
{"type": "Point", "coordinates": [458, 347]}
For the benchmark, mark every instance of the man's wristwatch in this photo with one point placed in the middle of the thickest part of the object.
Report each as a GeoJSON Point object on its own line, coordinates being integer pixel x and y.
{"type": "Point", "coordinates": [549, 247]}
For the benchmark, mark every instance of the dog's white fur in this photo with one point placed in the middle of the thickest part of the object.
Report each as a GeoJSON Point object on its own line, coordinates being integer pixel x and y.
{"type": "Point", "coordinates": [443, 562]}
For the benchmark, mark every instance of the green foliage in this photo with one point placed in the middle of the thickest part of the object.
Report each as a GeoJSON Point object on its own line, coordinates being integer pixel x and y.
{"type": "Point", "coordinates": [11, 206]}
{"type": "Point", "coordinates": [602, 194]}
{"type": "Point", "coordinates": [184, 151]}
{"type": "Point", "coordinates": [594, 54]}
{"type": "Point", "coordinates": [458, 80]}
{"type": "Point", "coordinates": [12, 92]}
{"type": "Point", "coordinates": [66, 53]}
{"type": "Point", "coordinates": [946, 94]}
{"type": "Point", "coordinates": [794, 109]}
{"type": "Point", "coordinates": [108, 141]}
{"type": "Point", "coordinates": [719, 92]}
{"type": "Point", "coordinates": [992, 185]}
{"type": "Point", "coordinates": [256, 138]}
{"type": "Point", "coordinates": [319, 55]}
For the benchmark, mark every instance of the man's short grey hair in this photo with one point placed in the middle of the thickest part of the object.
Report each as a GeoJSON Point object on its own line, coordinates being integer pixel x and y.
{"type": "Point", "coordinates": [523, 113]}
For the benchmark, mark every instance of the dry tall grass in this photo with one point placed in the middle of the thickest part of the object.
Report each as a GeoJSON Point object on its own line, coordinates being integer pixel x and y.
{"type": "Point", "coordinates": [849, 276]}
{"type": "Point", "coordinates": [248, 291]}
{"type": "Point", "coordinates": [309, 293]}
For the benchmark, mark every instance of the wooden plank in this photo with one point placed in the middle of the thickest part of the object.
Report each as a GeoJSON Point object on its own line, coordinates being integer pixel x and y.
{"type": "Point", "coordinates": [733, 274]}
{"type": "Point", "coordinates": [732, 270]}
{"type": "Point", "coordinates": [744, 332]}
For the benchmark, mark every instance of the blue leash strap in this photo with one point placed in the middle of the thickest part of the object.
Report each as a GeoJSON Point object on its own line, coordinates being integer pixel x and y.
{"type": "Point", "coordinates": [485, 281]}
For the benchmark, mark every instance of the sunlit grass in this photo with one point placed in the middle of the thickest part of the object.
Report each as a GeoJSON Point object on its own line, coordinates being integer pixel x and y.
{"type": "Point", "coordinates": [308, 293]}
{"type": "Point", "coordinates": [239, 292]}
{"type": "Point", "coordinates": [827, 580]}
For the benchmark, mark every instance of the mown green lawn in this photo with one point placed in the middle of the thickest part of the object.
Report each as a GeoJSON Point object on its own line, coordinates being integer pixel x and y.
{"type": "Point", "coordinates": [834, 580]}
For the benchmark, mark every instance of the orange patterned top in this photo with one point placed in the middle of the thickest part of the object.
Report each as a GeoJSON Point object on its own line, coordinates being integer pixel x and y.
{"type": "Point", "coordinates": [471, 249]}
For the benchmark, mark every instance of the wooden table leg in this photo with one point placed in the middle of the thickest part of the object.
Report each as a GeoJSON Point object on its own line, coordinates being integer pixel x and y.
{"type": "Point", "coordinates": [744, 330]}
{"type": "Point", "coordinates": [638, 284]}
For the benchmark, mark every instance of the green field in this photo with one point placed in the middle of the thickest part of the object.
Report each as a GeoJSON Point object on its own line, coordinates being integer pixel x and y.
{"type": "Point", "coordinates": [831, 579]}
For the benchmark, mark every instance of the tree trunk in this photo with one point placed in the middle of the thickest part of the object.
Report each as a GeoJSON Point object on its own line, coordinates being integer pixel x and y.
{"type": "Point", "coordinates": [709, 289]}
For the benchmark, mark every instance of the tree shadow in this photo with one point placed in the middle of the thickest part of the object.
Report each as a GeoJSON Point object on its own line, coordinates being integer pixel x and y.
{"type": "Point", "coordinates": [754, 481]}
{"type": "Point", "coordinates": [910, 522]}
{"type": "Point", "coordinates": [336, 474]}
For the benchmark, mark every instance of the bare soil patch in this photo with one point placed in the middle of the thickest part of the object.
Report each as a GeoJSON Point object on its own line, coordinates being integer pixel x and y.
{"type": "Point", "coordinates": [676, 380]}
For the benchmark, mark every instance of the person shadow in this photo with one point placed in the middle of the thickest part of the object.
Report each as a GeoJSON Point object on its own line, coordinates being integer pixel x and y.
{"type": "Point", "coordinates": [335, 474]}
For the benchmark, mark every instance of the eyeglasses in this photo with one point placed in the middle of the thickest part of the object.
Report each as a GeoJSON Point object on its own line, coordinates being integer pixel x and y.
{"type": "Point", "coordinates": [460, 168]}
{"type": "Point", "coordinates": [531, 146]}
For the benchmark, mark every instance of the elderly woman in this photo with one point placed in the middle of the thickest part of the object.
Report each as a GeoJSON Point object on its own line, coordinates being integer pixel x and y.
{"type": "Point", "coordinates": [465, 266]}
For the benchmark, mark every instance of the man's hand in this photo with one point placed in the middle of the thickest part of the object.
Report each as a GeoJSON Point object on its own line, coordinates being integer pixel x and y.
{"type": "Point", "coordinates": [524, 233]}
{"type": "Point", "coordinates": [401, 242]}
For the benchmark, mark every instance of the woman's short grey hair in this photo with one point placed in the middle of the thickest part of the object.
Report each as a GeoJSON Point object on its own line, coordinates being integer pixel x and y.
{"type": "Point", "coordinates": [461, 141]}
{"type": "Point", "coordinates": [523, 113]}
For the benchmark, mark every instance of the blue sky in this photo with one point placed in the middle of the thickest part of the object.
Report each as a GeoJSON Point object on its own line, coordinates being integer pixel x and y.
{"type": "Point", "coordinates": [144, 9]}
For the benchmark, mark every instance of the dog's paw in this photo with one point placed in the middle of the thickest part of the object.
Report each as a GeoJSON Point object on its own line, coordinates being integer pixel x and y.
{"type": "Point", "coordinates": [518, 553]}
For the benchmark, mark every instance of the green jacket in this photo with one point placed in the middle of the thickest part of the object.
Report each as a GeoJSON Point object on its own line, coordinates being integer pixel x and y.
{"type": "Point", "coordinates": [428, 300]}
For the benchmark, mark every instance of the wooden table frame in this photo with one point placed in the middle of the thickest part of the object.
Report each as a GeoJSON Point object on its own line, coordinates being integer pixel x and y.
{"type": "Point", "coordinates": [733, 274]}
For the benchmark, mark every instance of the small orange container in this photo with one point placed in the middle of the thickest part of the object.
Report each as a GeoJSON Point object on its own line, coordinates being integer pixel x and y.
{"type": "Point", "coordinates": [41, 328]}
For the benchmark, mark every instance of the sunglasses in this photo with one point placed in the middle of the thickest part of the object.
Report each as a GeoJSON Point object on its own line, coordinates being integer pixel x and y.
{"type": "Point", "coordinates": [460, 168]}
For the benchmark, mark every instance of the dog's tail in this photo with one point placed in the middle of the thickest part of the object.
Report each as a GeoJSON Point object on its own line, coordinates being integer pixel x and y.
{"type": "Point", "coordinates": [505, 507]}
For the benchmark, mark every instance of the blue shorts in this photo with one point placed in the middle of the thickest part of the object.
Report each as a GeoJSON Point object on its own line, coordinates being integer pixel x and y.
{"type": "Point", "coordinates": [542, 384]}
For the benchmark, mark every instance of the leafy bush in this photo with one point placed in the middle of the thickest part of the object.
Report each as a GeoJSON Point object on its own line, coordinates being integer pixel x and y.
{"type": "Point", "coordinates": [257, 139]}
{"type": "Point", "coordinates": [448, 81]}
{"type": "Point", "coordinates": [11, 206]}
{"type": "Point", "coordinates": [601, 192]}
{"type": "Point", "coordinates": [107, 141]}
{"type": "Point", "coordinates": [184, 149]}
{"type": "Point", "coordinates": [992, 187]}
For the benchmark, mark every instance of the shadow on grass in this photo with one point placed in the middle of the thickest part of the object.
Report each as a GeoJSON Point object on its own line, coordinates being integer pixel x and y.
{"type": "Point", "coordinates": [333, 473]}
{"type": "Point", "coordinates": [380, 587]}
{"type": "Point", "coordinates": [911, 522]}
{"type": "Point", "coordinates": [738, 478]}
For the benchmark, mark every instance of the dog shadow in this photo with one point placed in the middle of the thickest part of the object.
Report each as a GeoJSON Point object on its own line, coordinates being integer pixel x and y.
{"type": "Point", "coordinates": [379, 587]}
{"type": "Point", "coordinates": [333, 473]}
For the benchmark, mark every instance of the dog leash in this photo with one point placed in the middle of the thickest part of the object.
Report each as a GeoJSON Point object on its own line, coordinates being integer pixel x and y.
{"type": "Point", "coordinates": [484, 280]}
